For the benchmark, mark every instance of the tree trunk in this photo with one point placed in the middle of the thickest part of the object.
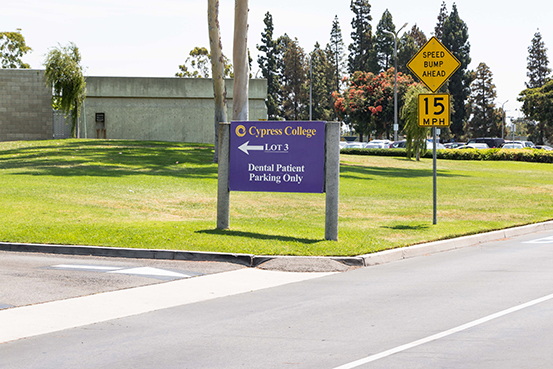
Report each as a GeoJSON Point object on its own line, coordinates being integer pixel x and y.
{"type": "Point", "coordinates": [240, 59]}
{"type": "Point", "coordinates": [217, 68]}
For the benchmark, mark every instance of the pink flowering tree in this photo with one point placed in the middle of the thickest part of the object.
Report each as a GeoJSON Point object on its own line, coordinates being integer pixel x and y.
{"type": "Point", "coordinates": [368, 101]}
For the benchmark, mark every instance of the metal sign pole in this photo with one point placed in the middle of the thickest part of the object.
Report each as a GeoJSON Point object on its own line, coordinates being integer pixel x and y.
{"type": "Point", "coordinates": [223, 194]}
{"type": "Point", "coordinates": [332, 180]}
{"type": "Point", "coordinates": [433, 64]}
{"type": "Point", "coordinates": [435, 218]}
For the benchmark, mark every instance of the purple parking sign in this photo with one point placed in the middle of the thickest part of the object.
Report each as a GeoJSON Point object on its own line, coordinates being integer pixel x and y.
{"type": "Point", "coordinates": [277, 156]}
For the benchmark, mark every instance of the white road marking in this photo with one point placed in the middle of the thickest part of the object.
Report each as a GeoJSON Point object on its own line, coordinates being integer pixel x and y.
{"type": "Point", "coordinates": [150, 272]}
{"type": "Point", "coordinates": [139, 271]}
{"type": "Point", "coordinates": [99, 268]}
{"type": "Point", "coordinates": [34, 320]}
{"type": "Point", "coordinates": [541, 240]}
{"type": "Point", "coordinates": [438, 336]}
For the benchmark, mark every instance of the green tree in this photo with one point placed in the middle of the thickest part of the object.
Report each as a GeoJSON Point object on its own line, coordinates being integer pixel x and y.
{"type": "Point", "coordinates": [294, 85]}
{"type": "Point", "coordinates": [416, 136]}
{"type": "Point", "coordinates": [538, 71]}
{"type": "Point", "coordinates": [198, 65]}
{"type": "Point", "coordinates": [269, 68]}
{"type": "Point", "coordinates": [408, 45]}
{"type": "Point", "coordinates": [455, 39]}
{"type": "Point", "coordinates": [12, 49]}
{"type": "Point", "coordinates": [484, 118]}
{"type": "Point", "coordinates": [356, 103]}
{"type": "Point", "coordinates": [361, 53]}
{"type": "Point", "coordinates": [64, 75]}
{"type": "Point", "coordinates": [383, 122]}
{"type": "Point", "coordinates": [537, 104]}
{"type": "Point", "coordinates": [418, 35]}
{"type": "Point", "coordinates": [368, 101]}
{"type": "Point", "coordinates": [323, 72]}
{"type": "Point", "coordinates": [384, 42]}
{"type": "Point", "coordinates": [442, 17]}
{"type": "Point", "coordinates": [538, 132]}
{"type": "Point", "coordinates": [335, 52]}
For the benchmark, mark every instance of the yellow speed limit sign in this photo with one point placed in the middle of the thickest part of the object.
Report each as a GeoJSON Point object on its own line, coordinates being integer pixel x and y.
{"type": "Point", "coordinates": [434, 110]}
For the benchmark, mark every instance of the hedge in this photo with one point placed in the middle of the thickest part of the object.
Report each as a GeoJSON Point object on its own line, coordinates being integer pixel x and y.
{"type": "Point", "coordinates": [530, 155]}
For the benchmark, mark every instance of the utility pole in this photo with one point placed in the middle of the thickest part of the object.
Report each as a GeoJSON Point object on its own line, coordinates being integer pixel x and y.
{"type": "Point", "coordinates": [396, 127]}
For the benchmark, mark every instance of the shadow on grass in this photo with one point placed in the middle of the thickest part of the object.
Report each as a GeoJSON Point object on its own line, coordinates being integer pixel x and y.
{"type": "Point", "coordinates": [258, 236]}
{"type": "Point", "coordinates": [107, 158]}
{"type": "Point", "coordinates": [403, 227]}
{"type": "Point", "coordinates": [362, 172]}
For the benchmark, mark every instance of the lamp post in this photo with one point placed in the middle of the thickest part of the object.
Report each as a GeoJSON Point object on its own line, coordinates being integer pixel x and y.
{"type": "Point", "coordinates": [504, 117]}
{"type": "Point", "coordinates": [395, 77]}
{"type": "Point", "coordinates": [311, 87]}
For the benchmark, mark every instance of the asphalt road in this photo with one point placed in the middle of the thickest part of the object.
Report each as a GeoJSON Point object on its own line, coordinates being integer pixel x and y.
{"type": "Point", "coordinates": [29, 278]}
{"type": "Point", "coordinates": [488, 306]}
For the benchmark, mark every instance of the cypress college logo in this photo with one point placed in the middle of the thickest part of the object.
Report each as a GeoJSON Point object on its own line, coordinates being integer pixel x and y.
{"type": "Point", "coordinates": [241, 131]}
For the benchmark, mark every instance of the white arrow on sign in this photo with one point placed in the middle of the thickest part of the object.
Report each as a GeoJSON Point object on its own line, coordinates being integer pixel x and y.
{"type": "Point", "coordinates": [244, 147]}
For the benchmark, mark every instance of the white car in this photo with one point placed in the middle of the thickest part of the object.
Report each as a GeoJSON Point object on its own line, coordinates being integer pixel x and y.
{"type": "Point", "coordinates": [479, 146]}
{"type": "Point", "coordinates": [523, 143]}
{"type": "Point", "coordinates": [513, 145]}
{"type": "Point", "coordinates": [430, 146]}
{"type": "Point", "coordinates": [378, 144]}
{"type": "Point", "coordinates": [354, 145]}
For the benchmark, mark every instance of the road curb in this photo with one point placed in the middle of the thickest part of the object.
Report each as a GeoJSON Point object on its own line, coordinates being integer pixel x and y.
{"type": "Point", "coordinates": [242, 259]}
{"type": "Point", "coordinates": [451, 244]}
{"type": "Point", "coordinates": [251, 260]}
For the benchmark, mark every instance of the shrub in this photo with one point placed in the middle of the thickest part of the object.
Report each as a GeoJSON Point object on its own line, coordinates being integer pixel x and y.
{"type": "Point", "coordinates": [529, 155]}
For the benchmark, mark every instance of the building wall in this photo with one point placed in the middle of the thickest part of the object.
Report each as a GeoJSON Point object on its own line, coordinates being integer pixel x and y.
{"type": "Point", "coordinates": [161, 109]}
{"type": "Point", "coordinates": [25, 106]}
{"type": "Point", "coordinates": [164, 109]}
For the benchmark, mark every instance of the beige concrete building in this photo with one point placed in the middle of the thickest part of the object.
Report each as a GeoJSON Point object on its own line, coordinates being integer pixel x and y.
{"type": "Point", "coordinates": [136, 108]}
{"type": "Point", "coordinates": [25, 106]}
{"type": "Point", "coordinates": [160, 109]}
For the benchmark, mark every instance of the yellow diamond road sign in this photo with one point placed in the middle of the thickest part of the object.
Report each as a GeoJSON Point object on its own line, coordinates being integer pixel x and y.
{"type": "Point", "coordinates": [433, 64]}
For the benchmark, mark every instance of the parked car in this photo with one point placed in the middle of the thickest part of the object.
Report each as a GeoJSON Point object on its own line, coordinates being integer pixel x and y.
{"type": "Point", "coordinates": [402, 144]}
{"type": "Point", "coordinates": [544, 147]}
{"type": "Point", "coordinates": [528, 144]}
{"type": "Point", "coordinates": [378, 144]}
{"type": "Point", "coordinates": [479, 146]}
{"type": "Point", "coordinates": [398, 144]}
{"type": "Point", "coordinates": [343, 144]}
{"type": "Point", "coordinates": [453, 145]}
{"type": "Point", "coordinates": [430, 146]}
{"type": "Point", "coordinates": [513, 145]}
{"type": "Point", "coordinates": [354, 145]}
{"type": "Point", "coordinates": [523, 143]}
{"type": "Point", "coordinates": [490, 141]}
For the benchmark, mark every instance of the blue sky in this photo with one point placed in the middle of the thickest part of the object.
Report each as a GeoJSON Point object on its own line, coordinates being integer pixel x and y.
{"type": "Point", "coordinates": [151, 38]}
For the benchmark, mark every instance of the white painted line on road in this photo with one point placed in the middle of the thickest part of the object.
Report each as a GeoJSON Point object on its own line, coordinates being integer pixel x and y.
{"type": "Point", "coordinates": [148, 271]}
{"type": "Point", "coordinates": [438, 336]}
{"type": "Point", "coordinates": [139, 271]}
{"type": "Point", "coordinates": [541, 240]}
{"type": "Point", "coordinates": [99, 268]}
{"type": "Point", "coordinates": [34, 320]}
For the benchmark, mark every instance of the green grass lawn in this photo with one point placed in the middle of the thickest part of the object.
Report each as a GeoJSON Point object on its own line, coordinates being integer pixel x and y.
{"type": "Point", "coordinates": [163, 195]}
